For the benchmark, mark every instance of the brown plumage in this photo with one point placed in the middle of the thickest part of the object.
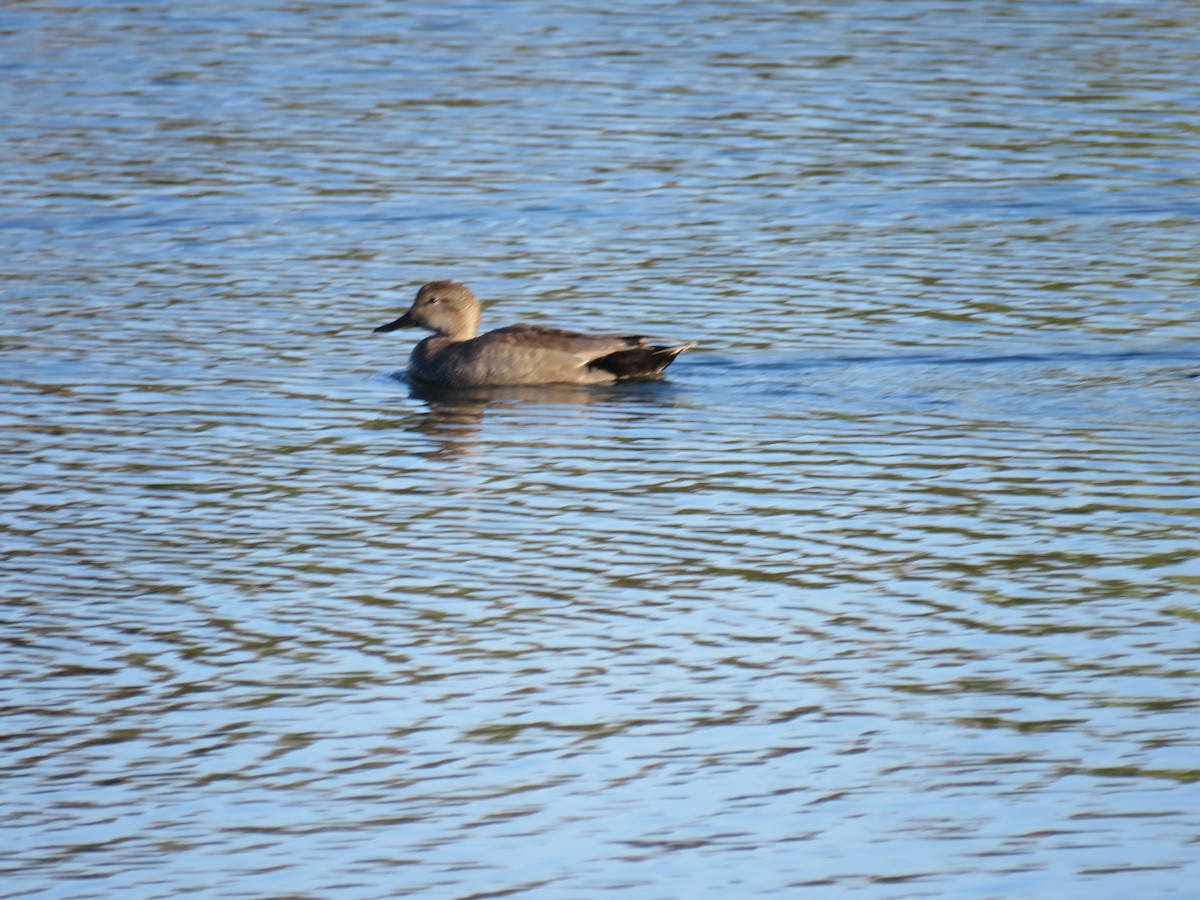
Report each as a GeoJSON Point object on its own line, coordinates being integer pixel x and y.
{"type": "Point", "coordinates": [456, 355]}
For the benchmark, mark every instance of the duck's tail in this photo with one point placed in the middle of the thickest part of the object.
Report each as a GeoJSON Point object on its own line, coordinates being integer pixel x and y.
{"type": "Point", "coordinates": [646, 361]}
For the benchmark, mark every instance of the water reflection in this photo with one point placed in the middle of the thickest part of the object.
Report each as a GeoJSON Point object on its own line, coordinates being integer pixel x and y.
{"type": "Point", "coordinates": [444, 401]}
{"type": "Point", "coordinates": [453, 416]}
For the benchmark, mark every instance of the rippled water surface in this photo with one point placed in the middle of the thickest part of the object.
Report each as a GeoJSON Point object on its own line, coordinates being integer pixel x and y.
{"type": "Point", "coordinates": [890, 589]}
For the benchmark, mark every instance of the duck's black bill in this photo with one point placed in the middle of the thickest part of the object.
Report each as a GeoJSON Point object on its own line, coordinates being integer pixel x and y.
{"type": "Point", "coordinates": [403, 322]}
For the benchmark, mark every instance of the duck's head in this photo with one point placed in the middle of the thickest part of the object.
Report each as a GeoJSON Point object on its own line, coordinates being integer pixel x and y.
{"type": "Point", "coordinates": [446, 308]}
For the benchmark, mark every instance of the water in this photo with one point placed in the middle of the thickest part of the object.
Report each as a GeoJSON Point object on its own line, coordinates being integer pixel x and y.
{"type": "Point", "coordinates": [890, 589]}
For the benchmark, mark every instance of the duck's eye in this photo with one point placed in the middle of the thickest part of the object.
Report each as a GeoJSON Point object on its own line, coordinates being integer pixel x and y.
{"type": "Point", "coordinates": [433, 300]}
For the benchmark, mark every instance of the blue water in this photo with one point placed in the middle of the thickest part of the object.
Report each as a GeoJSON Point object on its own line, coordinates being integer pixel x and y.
{"type": "Point", "coordinates": [889, 589]}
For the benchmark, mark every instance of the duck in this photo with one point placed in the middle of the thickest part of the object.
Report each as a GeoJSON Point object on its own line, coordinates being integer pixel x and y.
{"type": "Point", "coordinates": [456, 355]}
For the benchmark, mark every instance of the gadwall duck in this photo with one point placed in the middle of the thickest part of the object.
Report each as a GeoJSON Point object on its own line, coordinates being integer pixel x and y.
{"type": "Point", "coordinates": [454, 356]}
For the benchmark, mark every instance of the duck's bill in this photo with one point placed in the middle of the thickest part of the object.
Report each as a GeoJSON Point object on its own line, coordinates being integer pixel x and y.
{"type": "Point", "coordinates": [403, 322]}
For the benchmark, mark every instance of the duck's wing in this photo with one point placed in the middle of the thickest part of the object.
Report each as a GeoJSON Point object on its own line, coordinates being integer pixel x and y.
{"type": "Point", "coordinates": [584, 347]}
{"type": "Point", "coordinates": [600, 356]}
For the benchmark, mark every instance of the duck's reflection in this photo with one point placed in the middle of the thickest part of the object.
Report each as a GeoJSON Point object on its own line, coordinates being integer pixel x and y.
{"type": "Point", "coordinates": [455, 415]}
{"type": "Point", "coordinates": [458, 401]}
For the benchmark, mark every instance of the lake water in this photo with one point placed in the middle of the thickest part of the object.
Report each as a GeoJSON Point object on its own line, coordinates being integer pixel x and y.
{"type": "Point", "coordinates": [890, 589]}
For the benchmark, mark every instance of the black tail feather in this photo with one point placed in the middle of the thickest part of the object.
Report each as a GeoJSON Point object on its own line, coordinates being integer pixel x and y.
{"type": "Point", "coordinates": [640, 362]}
